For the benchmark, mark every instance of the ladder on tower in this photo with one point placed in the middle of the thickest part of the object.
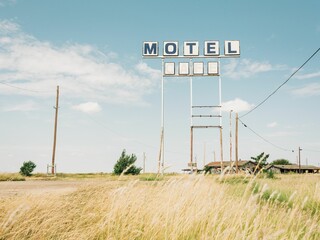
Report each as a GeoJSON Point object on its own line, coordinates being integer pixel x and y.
{"type": "Point", "coordinates": [212, 116]}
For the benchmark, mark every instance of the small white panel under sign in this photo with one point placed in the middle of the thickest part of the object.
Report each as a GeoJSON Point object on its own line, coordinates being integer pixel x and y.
{"type": "Point", "coordinates": [169, 68]}
{"type": "Point", "coordinates": [184, 68]}
{"type": "Point", "coordinates": [213, 68]}
{"type": "Point", "coordinates": [198, 68]}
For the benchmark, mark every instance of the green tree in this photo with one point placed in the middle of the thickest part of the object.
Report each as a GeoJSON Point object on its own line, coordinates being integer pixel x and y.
{"type": "Point", "coordinates": [27, 168]}
{"type": "Point", "coordinates": [261, 159]}
{"type": "Point", "coordinates": [125, 164]}
{"type": "Point", "coordinates": [281, 162]}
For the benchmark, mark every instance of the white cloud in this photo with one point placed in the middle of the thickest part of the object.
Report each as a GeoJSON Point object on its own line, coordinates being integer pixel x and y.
{"type": "Point", "coordinates": [308, 75]}
{"type": "Point", "coordinates": [143, 68]}
{"type": "Point", "coordinates": [7, 26]}
{"type": "Point", "coordinates": [82, 71]}
{"type": "Point", "coordinates": [88, 107]}
{"type": "Point", "coordinates": [283, 134]}
{"type": "Point", "coordinates": [272, 125]}
{"type": "Point", "coordinates": [6, 2]}
{"type": "Point", "coordinates": [237, 105]}
{"type": "Point", "coordinates": [245, 68]}
{"type": "Point", "coordinates": [311, 89]}
{"type": "Point", "coordinates": [271, 37]}
{"type": "Point", "coordinates": [21, 107]}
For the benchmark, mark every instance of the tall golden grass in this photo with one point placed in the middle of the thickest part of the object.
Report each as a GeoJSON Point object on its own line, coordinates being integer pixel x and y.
{"type": "Point", "coordinates": [180, 207]}
{"type": "Point", "coordinates": [11, 177]}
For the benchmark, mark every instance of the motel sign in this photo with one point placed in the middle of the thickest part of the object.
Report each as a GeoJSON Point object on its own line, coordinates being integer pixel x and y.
{"type": "Point", "coordinates": [191, 49]}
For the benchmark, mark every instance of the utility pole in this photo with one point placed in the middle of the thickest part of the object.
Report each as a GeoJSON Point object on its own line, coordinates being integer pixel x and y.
{"type": "Point", "coordinates": [55, 133]}
{"type": "Point", "coordinates": [204, 154]}
{"type": "Point", "coordinates": [230, 130]}
{"type": "Point", "coordinates": [299, 159]}
{"type": "Point", "coordinates": [221, 150]}
{"type": "Point", "coordinates": [191, 121]}
{"type": "Point", "coordinates": [144, 162]}
{"type": "Point", "coordinates": [237, 129]}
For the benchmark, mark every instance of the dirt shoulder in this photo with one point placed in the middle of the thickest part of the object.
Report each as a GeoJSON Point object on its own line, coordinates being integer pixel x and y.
{"type": "Point", "coordinates": [40, 187]}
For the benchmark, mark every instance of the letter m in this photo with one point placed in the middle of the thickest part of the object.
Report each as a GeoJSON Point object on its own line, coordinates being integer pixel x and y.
{"type": "Point", "coordinates": [150, 49]}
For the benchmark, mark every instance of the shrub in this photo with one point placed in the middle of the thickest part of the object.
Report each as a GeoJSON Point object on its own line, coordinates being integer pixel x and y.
{"type": "Point", "coordinates": [281, 162]}
{"type": "Point", "coordinates": [125, 164]}
{"type": "Point", "coordinates": [27, 168]}
{"type": "Point", "coordinates": [261, 159]}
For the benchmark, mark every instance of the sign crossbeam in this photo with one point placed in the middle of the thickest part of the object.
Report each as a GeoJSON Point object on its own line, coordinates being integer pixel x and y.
{"type": "Point", "coordinates": [206, 106]}
{"type": "Point", "coordinates": [209, 126]}
{"type": "Point", "coordinates": [202, 56]}
{"type": "Point", "coordinates": [206, 116]}
{"type": "Point", "coordinates": [191, 75]}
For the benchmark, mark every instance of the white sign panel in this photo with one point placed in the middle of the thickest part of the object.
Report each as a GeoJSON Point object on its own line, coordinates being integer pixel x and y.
{"type": "Point", "coordinates": [150, 49]}
{"type": "Point", "coordinates": [169, 68]}
{"type": "Point", "coordinates": [198, 68]}
{"type": "Point", "coordinates": [191, 48]}
{"type": "Point", "coordinates": [213, 68]}
{"type": "Point", "coordinates": [231, 48]}
{"type": "Point", "coordinates": [184, 68]}
{"type": "Point", "coordinates": [170, 49]}
{"type": "Point", "coordinates": [211, 48]}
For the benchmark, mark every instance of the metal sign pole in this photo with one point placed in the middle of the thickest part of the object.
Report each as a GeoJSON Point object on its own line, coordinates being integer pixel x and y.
{"type": "Point", "coordinates": [230, 140]}
{"type": "Point", "coordinates": [161, 158]}
{"type": "Point", "coordinates": [220, 104]}
{"type": "Point", "coordinates": [191, 121]}
{"type": "Point", "coordinates": [162, 116]}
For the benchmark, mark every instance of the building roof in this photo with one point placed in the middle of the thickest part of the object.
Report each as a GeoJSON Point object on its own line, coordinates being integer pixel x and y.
{"type": "Point", "coordinates": [294, 167]}
{"type": "Point", "coordinates": [227, 163]}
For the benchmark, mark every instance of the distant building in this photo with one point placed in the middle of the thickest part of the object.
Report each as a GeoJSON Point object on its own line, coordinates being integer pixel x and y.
{"type": "Point", "coordinates": [243, 165]}
{"type": "Point", "coordinates": [293, 168]}
{"type": "Point", "coordinates": [249, 166]}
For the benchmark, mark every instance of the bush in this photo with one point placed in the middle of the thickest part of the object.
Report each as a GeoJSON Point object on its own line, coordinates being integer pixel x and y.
{"type": "Point", "coordinates": [27, 168]}
{"type": "Point", "coordinates": [125, 165]}
{"type": "Point", "coordinates": [261, 160]}
{"type": "Point", "coordinates": [281, 162]}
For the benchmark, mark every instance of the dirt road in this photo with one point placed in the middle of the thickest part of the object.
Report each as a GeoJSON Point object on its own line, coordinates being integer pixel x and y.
{"type": "Point", "coordinates": [40, 187]}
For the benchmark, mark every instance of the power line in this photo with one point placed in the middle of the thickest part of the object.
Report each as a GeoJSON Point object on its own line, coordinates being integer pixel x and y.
{"type": "Point", "coordinates": [311, 150]}
{"type": "Point", "coordinates": [281, 84]}
{"type": "Point", "coordinates": [22, 89]}
{"type": "Point", "coordinates": [132, 140]}
{"type": "Point", "coordinates": [281, 148]}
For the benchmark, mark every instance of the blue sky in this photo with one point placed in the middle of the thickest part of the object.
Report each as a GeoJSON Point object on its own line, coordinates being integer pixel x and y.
{"type": "Point", "coordinates": [110, 97]}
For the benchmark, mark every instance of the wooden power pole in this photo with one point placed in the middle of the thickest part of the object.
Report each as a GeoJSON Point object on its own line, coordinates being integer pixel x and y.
{"type": "Point", "coordinates": [230, 130]}
{"type": "Point", "coordinates": [55, 133]}
{"type": "Point", "coordinates": [144, 162]}
{"type": "Point", "coordinates": [299, 159]}
{"type": "Point", "coordinates": [221, 150]}
{"type": "Point", "coordinates": [236, 140]}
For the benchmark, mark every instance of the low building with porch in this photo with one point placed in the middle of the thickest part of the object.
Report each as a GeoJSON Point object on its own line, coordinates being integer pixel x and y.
{"type": "Point", "coordinates": [246, 166]}
{"type": "Point", "coordinates": [293, 168]}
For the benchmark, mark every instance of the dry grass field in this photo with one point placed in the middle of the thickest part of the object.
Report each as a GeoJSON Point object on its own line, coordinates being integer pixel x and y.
{"type": "Point", "coordinates": [175, 207]}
